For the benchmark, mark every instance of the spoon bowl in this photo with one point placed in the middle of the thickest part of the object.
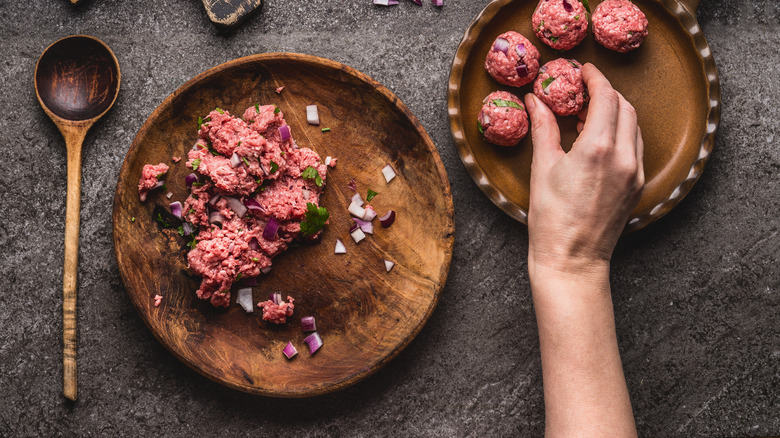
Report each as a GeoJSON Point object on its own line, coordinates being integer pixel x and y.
{"type": "Point", "coordinates": [76, 81]}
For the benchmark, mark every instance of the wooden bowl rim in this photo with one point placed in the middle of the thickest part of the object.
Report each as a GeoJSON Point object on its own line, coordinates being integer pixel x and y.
{"type": "Point", "coordinates": [395, 102]}
{"type": "Point", "coordinates": [495, 194]}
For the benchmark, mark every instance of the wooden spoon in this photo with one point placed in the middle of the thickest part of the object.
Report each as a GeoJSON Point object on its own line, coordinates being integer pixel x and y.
{"type": "Point", "coordinates": [76, 81]}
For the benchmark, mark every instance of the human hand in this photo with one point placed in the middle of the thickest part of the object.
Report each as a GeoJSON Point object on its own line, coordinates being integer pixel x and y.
{"type": "Point", "coordinates": [580, 200]}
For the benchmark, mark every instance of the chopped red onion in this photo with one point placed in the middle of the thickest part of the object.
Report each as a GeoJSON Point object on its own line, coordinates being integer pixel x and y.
{"type": "Point", "coordinates": [312, 115]}
{"type": "Point", "coordinates": [191, 178]}
{"type": "Point", "coordinates": [522, 70]}
{"type": "Point", "coordinates": [284, 132]}
{"type": "Point", "coordinates": [366, 226]}
{"type": "Point", "coordinates": [484, 118]}
{"type": "Point", "coordinates": [216, 218]}
{"type": "Point", "coordinates": [388, 172]}
{"type": "Point", "coordinates": [186, 227]}
{"type": "Point", "coordinates": [438, 2]}
{"type": "Point", "coordinates": [357, 199]}
{"type": "Point", "coordinates": [386, 2]}
{"type": "Point", "coordinates": [276, 298]}
{"type": "Point", "coordinates": [252, 204]}
{"type": "Point", "coordinates": [501, 45]}
{"type": "Point", "coordinates": [357, 235]}
{"type": "Point", "coordinates": [236, 206]}
{"type": "Point", "coordinates": [314, 341]}
{"type": "Point", "coordinates": [547, 88]}
{"type": "Point", "coordinates": [176, 209]}
{"type": "Point", "coordinates": [269, 232]}
{"type": "Point", "coordinates": [389, 265]}
{"type": "Point", "coordinates": [520, 49]}
{"type": "Point", "coordinates": [254, 244]}
{"type": "Point", "coordinates": [244, 299]}
{"type": "Point", "coordinates": [214, 199]}
{"type": "Point", "coordinates": [306, 194]}
{"type": "Point", "coordinates": [250, 281]}
{"type": "Point", "coordinates": [327, 160]}
{"type": "Point", "coordinates": [419, 2]}
{"type": "Point", "coordinates": [370, 213]}
{"type": "Point", "coordinates": [231, 247]}
{"type": "Point", "coordinates": [157, 185]}
{"type": "Point", "coordinates": [169, 195]}
{"type": "Point", "coordinates": [387, 219]}
{"type": "Point", "coordinates": [308, 324]}
{"type": "Point", "coordinates": [290, 351]}
{"type": "Point", "coordinates": [356, 210]}
{"type": "Point", "coordinates": [352, 185]}
{"type": "Point", "coordinates": [266, 270]}
{"type": "Point", "coordinates": [340, 248]}
{"type": "Point", "coordinates": [567, 6]}
{"type": "Point", "coordinates": [235, 160]}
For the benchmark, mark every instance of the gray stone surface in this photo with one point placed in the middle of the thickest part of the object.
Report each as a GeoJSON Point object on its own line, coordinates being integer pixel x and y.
{"type": "Point", "coordinates": [697, 295]}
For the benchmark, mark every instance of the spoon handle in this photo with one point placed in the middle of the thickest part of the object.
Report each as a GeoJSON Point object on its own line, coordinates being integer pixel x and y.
{"type": "Point", "coordinates": [73, 142]}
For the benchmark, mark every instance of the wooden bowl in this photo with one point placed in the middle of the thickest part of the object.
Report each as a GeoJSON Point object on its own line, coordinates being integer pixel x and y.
{"type": "Point", "coordinates": [671, 80]}
{"type": "Point", "coordinates": [364, 314]}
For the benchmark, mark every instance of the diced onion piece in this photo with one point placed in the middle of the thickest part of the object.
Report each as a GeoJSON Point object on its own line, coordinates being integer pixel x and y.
{"type": "Point", "coordinates": [419, 2]}
{"type": "Point", "coordinates": [485, 119]}
{"type": "Point", "coordinates": [357, 235]}
{"type": "Point", "coordinates": [306, 194]}
{"type": "Point", "coordinates": [438, 2]}
{"type": "Point", "coordinates": [236, 206]}
{"type": "Point", "coordinates": [289, 350]}
{"type": "Point", "coordinates": [522, 70]}
{"type": "Point", "coordinates": [269, 232]}
{"type": "Point", "coordinates": [370, 213]}
{"type": "Point", "coordinates": [389, 265]}
{"type": "Point", "coordinates": [244, 298]}
{"type": "Point", "coordinates": [312, 115]}
{"type": "Point", "coordinates": [284, 132]}
{"type": "Point", "coordinates": [567, 6]}
{"type": "Point", "coordinates": [235, 160]}
{"type": "Point", "coordinates": [340, 248]}
{"type": "Point", "coordinates": [187, 228]}
{"type": "Point", "coordinates": [314, 341]}
{"type": "Point", "coordinates": [169, 195]}
{"type": "Point", "coordinates": [266, 270]}
{"type": "Point", "coordinates": [191, 178]}
{"type": "Point", "coordinates": [252, 204]}
{"type": "Point", "coordinates": [356, 210]}
{"type": "Point", "coordinates": [387, 219]}
{"type": "Point", "coordinates": [276, 298]}
{"type": "Point", "coordinates": [214, 199]}
{"type": "Point", "coordinates": [254, 244]}
{"type": "Point", "coordinates": [501, 45]}
{"type": "Point", "coordinates": [157, 185]}
{"type": "Point", "coordinates": [176, 209]}
{"type": "Point", "coordinates": [308, 324]}
{"type": "Point", "coordinates": [357, 199]}
{"type": "Point", "coordinates": [388, 172]}
{"type": "Point", "coordinates": [352, 185]}
{"type": "Point", "coordinates": [520, 49]}
{"type": "Point", "coordinates": [366, 226]}
{"type": "Point", "coordinates": [386, 2]}
{"type": "Point", "coordinates": [216, 218]}
{"type": "Point", "coordinates": [327, 160]}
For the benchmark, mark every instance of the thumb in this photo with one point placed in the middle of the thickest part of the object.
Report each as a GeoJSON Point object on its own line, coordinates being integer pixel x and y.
{"type": "Point", "coordinates": [545, 134]}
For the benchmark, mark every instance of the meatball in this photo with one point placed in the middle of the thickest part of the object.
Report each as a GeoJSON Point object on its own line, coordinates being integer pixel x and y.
{"type": "Point", "coordinates": [561, 24]}
{"type": "Point", "coordinates": [503, 120]}
{"type": "Point", "coordinates": [512, 60]}
{"type": "Point", "coordinates": [619, 25]}
{"type": "Point", "coordinates": [560, 86]}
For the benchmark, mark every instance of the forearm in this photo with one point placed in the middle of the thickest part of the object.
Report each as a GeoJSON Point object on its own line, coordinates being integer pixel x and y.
{"type": "Point", "coordinates": [584, 387]}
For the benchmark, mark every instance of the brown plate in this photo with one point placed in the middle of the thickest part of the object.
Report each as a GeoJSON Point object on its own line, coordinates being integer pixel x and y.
{"type": "Point", "coordinates": [671, 80]}
{"type": "Point", "coordinates": [365, 315]}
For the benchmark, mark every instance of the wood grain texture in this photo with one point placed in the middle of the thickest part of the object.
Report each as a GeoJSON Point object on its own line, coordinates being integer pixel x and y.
{"type": "Point", "coordinates": [671, 80]}
{"type": "Point", "coordinates": [230, 13]}
{"type": "Point", "coordinates": [76, 81]}
{"type": "Point", "coordinates": [365, 315]}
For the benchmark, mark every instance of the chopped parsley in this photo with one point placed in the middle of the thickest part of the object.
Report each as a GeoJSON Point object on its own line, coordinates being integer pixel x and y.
{"type": "Point", "coordinates": [500, 102]}
{"type": "Point", "coordinates": [193, 243]}
{"type": "Point", "coordinates": [219, 110]}
{"type": "Point", "coordinates": [585, 3]}
{"type": "Point", "coordinates": [245, 161]}
{"type": "Point", "coordinates": [325, 129]}
{"type": "Point", "coordinates": [480, 128]}
{"type": "Point", "coordinates": [576, 17]}
{"type": "Point", "coordinates": [180, 230]}
{"type": "Point", "coordinates": [274, 167]}
{"type": "Point", "coordinates": [257, 108]}
{"type": "Point", "coordinates": [162, 221]}
{"type": "Point", "coordinates": [238, 277]}
{"type": "Point", "coordinates": [311, 173]}
{"type": "Point", "coordinates": [573, 64]}
{"type": "Point", "coordinates": [198, 184]}
{"type": "Point", "coordinates": [546, 83]}
{"type": "Point", "coordinates": [195, 164]}
{"type": "Point", "coordinates": [370, 195]}
{"type": "Point", "coordinates": [553, 39]}
{"type": "Point", "coordinates": [255, 259]}
{"type": "Point", "coordinates": [276, 109]}
{"type": "Point", "coordinates": [192, 211]}
{"type": "Point", "coordinates": [314, 220]}
{"type": "Point", "coordinates": [202, 121]}
{"type": "Point", "coordinates": [132, 219]}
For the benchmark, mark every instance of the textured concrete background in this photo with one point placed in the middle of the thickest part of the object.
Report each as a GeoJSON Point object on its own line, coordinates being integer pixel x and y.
{"type": "Point", "coordinates": [697, 295]}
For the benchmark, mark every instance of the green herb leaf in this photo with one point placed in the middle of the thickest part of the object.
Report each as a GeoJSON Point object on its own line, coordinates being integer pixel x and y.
{"type": "Point", "coordinates": [200, 122]}
{"type": "Point", "coordinates": [585, 3]}
{"type": "Point", "coordinates": [480, 128]}
{"type": "Point", "coordinates": [314, 220]}
{"type": "Point", "coordinates": [162, 221]}
{"type": "Point", "coordinates": [195, 164]}
{"type": "Point", "coordinates": [198, 184]}
{"type": "Point", "coordinates": [192, 211]}
{"type": "Point", "coordinates": [245, 161]}
{"type": "Point", "coordinates": [554, 39]}
{"type": "Point", "coordinates": [257, 108]}
{"type": "Point", "coordinates": [181, 230]}
{"type": "Point", "coordinates": [274, 167]}
{"type": "Point", "coordinates": [132, 219]}
{"type": "Point", "coordinates": [311, 173]}
{"type": "Point", "coordinates": [219, 110]}
{"type": "Point", "coordinates": [371, 195]}
{"type": "Point", "coordinates": [546, 83]}
{"type": "Point", "coordinates": [573, 64]}
{"type": "Point", "coordinates": [255, 259]}
{"type": "Point", "coordinates": [238, 277]}
{"type": "Point", "coordinates": [276, 109]}
{"type": "Point", "coordinates": [193, 243]}
{"type": "Point", "coordinates": [499, 102]}
{"type": "Point", "coordinates": [325, 129]}
{"type": "Point", "coordinates": [576, 17]}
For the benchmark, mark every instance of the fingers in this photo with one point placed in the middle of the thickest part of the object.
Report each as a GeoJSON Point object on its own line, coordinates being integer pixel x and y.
{"type": "Point", "coordinates": [626, 130]}
{"type": "Point", "coordinates": [640, 157]}
{"type": "Point", "coordinates": [602, 113]}
{"type": "Point", "coordinates": [545, 134]}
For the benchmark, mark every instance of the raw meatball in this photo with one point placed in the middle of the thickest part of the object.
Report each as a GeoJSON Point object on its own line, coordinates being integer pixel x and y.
{"type": "Point", "coordinates": [503, 120]}
{"type": "Point", "coordinates": [512, 60]}
{"type": "Point", "coordinates": [619, 25]}
{"type": "Point", "coordinates": [560, 86]}
{"type": "Point", "coordinates": [561, 24]}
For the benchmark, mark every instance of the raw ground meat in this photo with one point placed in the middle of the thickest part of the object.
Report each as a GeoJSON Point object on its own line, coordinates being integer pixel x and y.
{"type": "Point", "coordinates": [561, 24]}
{"type": "Point", "coordinates": [277, 313]}
{"type": "Point", "coordinates": [565, 91]}
{"type": "Point", "coordinates": [150, 176]}
{"type": "Point", "coordinates": [503, 119]}
{"type": "Point", "coordinates": [518, 65]}
{"type": "Point", "coordinates": [619, 25]}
